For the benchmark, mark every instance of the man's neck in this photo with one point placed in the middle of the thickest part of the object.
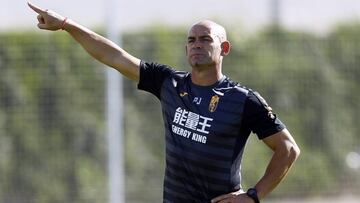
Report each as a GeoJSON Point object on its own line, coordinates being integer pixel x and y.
{"type": "Point", "coordinates": [205, 77]}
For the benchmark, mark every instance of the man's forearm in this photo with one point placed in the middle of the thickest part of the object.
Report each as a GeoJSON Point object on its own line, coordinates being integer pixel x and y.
{"type": "Point", "coordinates": [285, 154]}
{"type": "Point", "coordinates": [96, 45]}
{"type": "Point", "coordinates": [275, 172]}
{"type": "Point", "coordinates": [103, 49]}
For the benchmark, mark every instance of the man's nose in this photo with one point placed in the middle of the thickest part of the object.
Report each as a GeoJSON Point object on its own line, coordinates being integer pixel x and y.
{"type": "Point", "coordinates": [197, 44]}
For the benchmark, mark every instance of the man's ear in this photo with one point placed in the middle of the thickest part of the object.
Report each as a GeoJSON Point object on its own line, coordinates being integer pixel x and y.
{"type": "Point", "coordinates": [186, 51]}
{"type": "Point", "coordinates": [225, 48]}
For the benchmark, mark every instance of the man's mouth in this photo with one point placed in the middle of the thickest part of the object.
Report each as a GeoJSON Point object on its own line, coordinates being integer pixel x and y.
{"type": "Point", "coordinates": [196, 55]}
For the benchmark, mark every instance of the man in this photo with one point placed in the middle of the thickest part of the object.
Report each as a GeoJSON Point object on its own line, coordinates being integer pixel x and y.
{"type": "Point", "coordinates": [207, 116]}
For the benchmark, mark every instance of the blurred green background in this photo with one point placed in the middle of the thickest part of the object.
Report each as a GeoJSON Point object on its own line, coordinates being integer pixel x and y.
{"type": "Point", "coordinates": [52, 111]}
{"type": "Point", "coordinates": [52, 123]}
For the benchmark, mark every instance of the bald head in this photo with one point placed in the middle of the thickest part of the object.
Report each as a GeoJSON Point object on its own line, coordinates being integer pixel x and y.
{"type": "Point", "coordinates": [207, 45]}
{"type": "Point", "coordinates": [214, 28]}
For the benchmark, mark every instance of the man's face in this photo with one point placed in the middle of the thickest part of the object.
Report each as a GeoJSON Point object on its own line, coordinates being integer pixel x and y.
{"type": "Point", "coordinates": [203, 48]}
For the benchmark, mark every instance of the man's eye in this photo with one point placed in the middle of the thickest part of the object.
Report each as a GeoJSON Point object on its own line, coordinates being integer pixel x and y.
{"type": "Point", "coordinates": [207, 39]}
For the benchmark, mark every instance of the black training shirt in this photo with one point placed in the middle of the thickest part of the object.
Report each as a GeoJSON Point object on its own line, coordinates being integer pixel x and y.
{"type": "Point", "coordinates": [206, 128]}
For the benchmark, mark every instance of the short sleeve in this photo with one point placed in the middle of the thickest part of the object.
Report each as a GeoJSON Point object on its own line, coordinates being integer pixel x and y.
{"type": "Point", "coordinates": [152, 76]}
{"type": "Point", "coordinates": [259, 117]}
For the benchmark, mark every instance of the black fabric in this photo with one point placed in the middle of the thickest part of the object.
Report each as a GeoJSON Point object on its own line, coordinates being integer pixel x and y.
{"type": "Point", "coordinates": [206, 129]}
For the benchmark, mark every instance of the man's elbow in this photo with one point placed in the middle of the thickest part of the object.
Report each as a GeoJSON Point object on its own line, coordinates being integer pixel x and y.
{"type": "Point", "coordinates": [294, 152]}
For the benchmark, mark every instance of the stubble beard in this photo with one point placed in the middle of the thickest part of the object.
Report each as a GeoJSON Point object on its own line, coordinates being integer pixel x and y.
{"type": "Point", "coordinates": [203, 63]}
{"type": "Point", "coordinates": [202, 66]}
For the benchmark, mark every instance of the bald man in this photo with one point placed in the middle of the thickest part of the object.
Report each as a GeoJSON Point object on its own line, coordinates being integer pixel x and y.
{"type": "Point", "coordinates": [207, 116]}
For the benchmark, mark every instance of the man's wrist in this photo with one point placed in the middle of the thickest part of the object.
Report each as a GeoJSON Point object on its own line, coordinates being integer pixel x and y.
{"type": "Point", "coordinates": [64, 22]}
{"type": "Point", "coordinates": [252, 193]}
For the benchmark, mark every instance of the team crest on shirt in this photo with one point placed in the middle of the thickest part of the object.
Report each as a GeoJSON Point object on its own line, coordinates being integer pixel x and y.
{"type": "Point", "coordinates": [214, 103]}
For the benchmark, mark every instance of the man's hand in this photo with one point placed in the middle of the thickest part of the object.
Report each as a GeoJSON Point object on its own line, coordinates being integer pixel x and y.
{"type": "Point", "coordinates": [234, 197]}
{"type": "Point", "coordinates": [48, 20]}
{"type": "Point", "coordinates": [102, 49]}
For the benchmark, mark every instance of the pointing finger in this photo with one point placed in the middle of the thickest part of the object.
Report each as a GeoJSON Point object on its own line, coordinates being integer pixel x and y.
{"type": "Point", "coordinates": [40, 19]}
{"type": "Point", "coordinates": [36, 8]}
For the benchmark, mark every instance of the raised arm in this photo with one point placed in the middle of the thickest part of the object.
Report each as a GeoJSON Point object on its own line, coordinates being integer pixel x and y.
{"type": "Point", "coordinates": [97, 46]}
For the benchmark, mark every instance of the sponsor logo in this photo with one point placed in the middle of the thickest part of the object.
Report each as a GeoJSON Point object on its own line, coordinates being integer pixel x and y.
{"type": "Point", "coordinates": [191, 125]}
